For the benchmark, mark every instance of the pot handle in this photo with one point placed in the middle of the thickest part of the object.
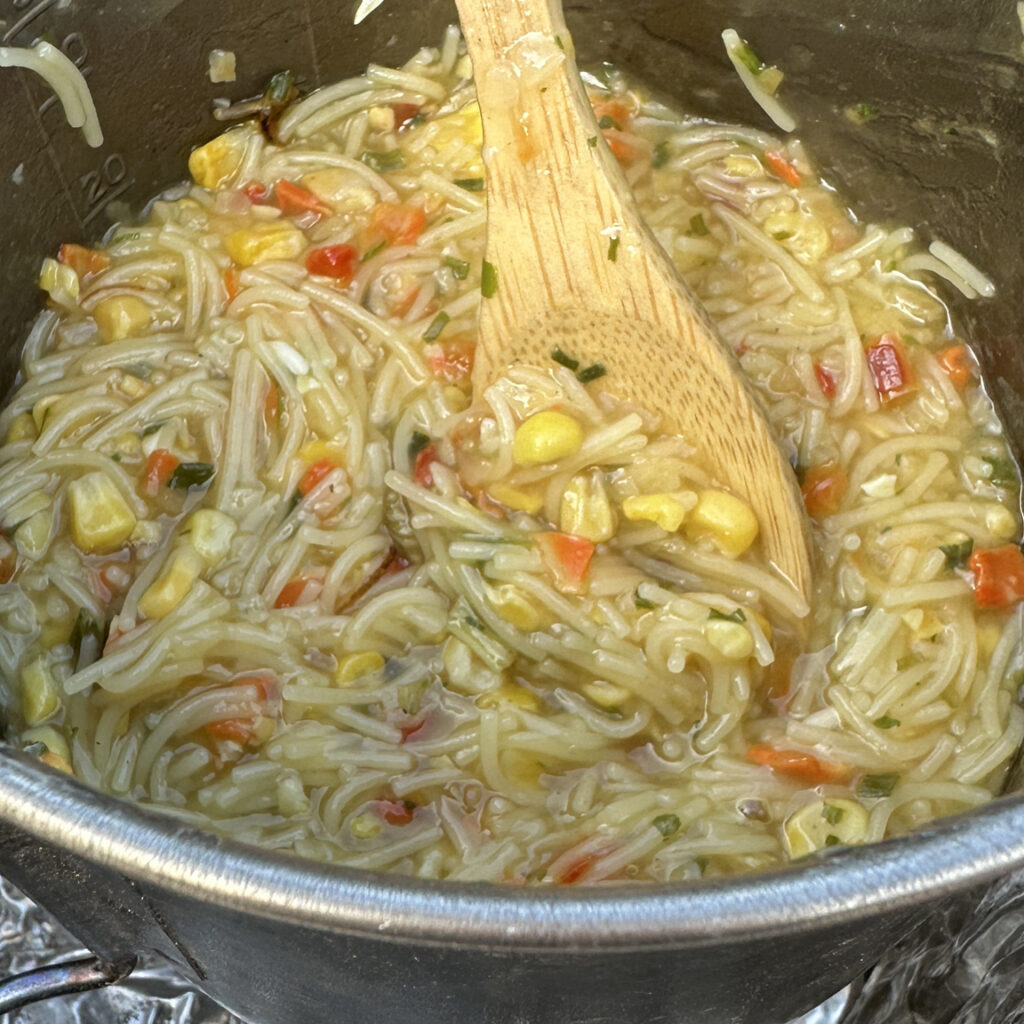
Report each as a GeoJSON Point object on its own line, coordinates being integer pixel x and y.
{"type": "Point", "coordinates": [60, 980]}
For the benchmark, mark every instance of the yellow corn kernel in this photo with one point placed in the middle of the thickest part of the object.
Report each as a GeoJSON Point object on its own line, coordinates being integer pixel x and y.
{"type": "Point", "coordinates": [40, 696]}
{"type": "Point", "coordinates": [517, 499]}
{"type": "Point", "coordinates": [806, 238]}
{"type": "Point", "coordinates": [730, 639]}
{"type": "Point", "coordinates": [380, 119]}
{"type": "Point", "coordinates": [727, 520]}
{"type": "Point", "coordinates": [58, 762]}
{"type": "Point", "coordinates": [33, 536]}
{"type": "Point", "coordinates": [262, 243]}
{"type": "Point", "coordinates": [210, 532]}
{"type": "Point", "coordinates": [586, 510]}
{"type": "Point", "coordinates": [318, 451]}
{"type": "Point", "coordinates": [742, 166]}
{"type": "Point", "coordinates": [171, 587]}
{"type": "Point", "coordinates": [515, 607]}
{"type": "Point", "coordinates": [321, 413]}
{"type": "Point", "coordinates": [358, 666]}
{"type": "Point", "coordinates": [50, 738]}
{"type": "Point", "coordinates": [605, 694]}
{"type": "Point", "coordinates": [546, 437]}
{"type": "Point", "coordinates": [22, 428]}
{"type": "Point", "coordinates": [59, 281]}
{"type": "Point", "coordinates": [667, 510]}
{"type": "Point", "coordinates": [101, 519]}
{"type": "Point", "coordinates": [342, 189]}
{"type": "Point", "coordinates": [122, 316]}
{"type": "Point", "coordinates": [365, 826]}
{"type": "Point", "coordinates": [1001, 522]}
{"type": "Point", "coordinates": [215, 163]}
{"type": "Point", "coordinates": [508, 694]}
{"type": "Point", "coordinates": [825, 823]}
{"type": "Point", "coordinates": [132, 387]}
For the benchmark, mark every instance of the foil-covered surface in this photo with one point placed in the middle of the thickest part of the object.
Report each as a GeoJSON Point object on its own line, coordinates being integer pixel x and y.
{"type": "Point", "coordinates": [961, 965]}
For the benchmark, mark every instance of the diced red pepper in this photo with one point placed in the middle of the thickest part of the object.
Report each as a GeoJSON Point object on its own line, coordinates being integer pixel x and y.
{"type": "Point", "coordinates": [567, 556]}
{"type": "Point", "coordinates": [395, 224]}
{"type": "Point", "coordinates": [394, 812]}
{"type": "Point", "coordinates": [823, 489]}
{"type": "Point", "coordinates": [294, 200]}
{"type": "Point", "coordinates": [959, 366]}
{"type": "Point", "coordinates": [243, 730]}
{"type": "Point", "coordinates": [577, 870]}
{"type": "Point", "coordinates": [452, 360]}
{"type": "Point", "coordinates": [257, 192]}
{"type": "Point", "coordinates": [232, 283]}
{"type": "Point", "coordinates": [335, 261]}
{"type": "Point", "coordinates": [891, 369]}
{"type": "Point", "coordinates": [998, 576]}
{"type": "Point", "coordinates": [782, 168]}
{"type": "Point", "coordinates": [160, 465]}
{"type": "Point", "coordinates": [300, 590]}
{"type": "Point", "coordinates": [404, 114]}
{"type": "Point", "coordinates": [826, 381]}
{"type": "Point", "coordinates": [798, 765]}
{"type": "Point", "coordinates": [84, 262]}
{"type": "Point", "coordinates": [315, 474]}
{"type": "Point", "coordinates": [421, 469]}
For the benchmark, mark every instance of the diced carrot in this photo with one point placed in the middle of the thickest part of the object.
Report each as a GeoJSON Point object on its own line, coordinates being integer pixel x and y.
{"type": "Point", "coordinates": [823, 489]}
{"type": "Point", "coordinates": [315, 474]}
{"type": "Point", "coordinates": [301, 590]}
{"type": "Point", "coordinates": [577, 870]}
{"type": "Point", "coordinates": [84, 262]}
{"type": "Point", "coordinates": [160, 465]}
{"type": "Point", "coordinates": [998, 576]}
{"type": "Point", "coordinates": [232, 283]}
{"type": "Point", "coordinates": [452, 360]}
{"type": "Point", "coordinates": [826, 381]}
{"type": "Point", "coordinates": [614, 110]}
{"type": "Point", "coordinates": [394, 812]}
{"type": "Point", "coordinates": [891, 369]}
{"type": "Point", "coordinates": [799, 765]}
{"type": "Point", "coordinates": [957, 362]}
{"type": "Point", "coordinates": [421, 469]}
{"type": "Point", "coordinates": [294, 200]}
{"type": "Point", "coordinates": [782, 168]}
{"type": "Point", "coordinates": [257, 192]}
{"type": "Point", "coordinates": [567, 556]}
{"type": "Point", "coordinates": [395, 224]}
{"type": "Point", "coordinates": [265, 683]}
{"type": "Point", "coordinates": [626, 148]}
{"type": "Point", "coordinates": [243, 730]}
{"type": "Point", "coordinates": [404, 114]}
{"type": "Point", "coordinates": [334, 261]}
{"type": "Point", "coordinates": [272, 403]}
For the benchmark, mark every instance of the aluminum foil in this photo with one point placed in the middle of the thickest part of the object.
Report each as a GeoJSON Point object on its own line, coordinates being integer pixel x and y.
{"type": "Point", "coordinates": [961, 965]}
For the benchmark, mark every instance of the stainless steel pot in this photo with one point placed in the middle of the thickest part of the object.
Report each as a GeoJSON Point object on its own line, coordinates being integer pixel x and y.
{"type": "Point", "coordinates": [279, 940]}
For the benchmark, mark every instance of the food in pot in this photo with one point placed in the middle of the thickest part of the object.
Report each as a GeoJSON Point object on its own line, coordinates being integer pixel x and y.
{"type": "Point", "coordinates": [268, 567]}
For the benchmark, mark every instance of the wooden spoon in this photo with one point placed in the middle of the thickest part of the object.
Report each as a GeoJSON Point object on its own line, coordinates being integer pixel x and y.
{"type": "Point", "coordinates": [576, 268]}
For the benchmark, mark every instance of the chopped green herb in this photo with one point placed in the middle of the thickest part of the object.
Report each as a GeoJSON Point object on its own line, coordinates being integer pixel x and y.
{"type": "Point", "coordinates": [87, 639]}
{"type": "Point", "coordinates": [567, 361]}
{"type": "Point", "coordinates": [592, 141]}
{"type": "Point", "coordinates": [437, 325]}
{"type": "Point", "coordinates": [642, 602]}
{"type": "Point", "coordinates": [698, 229]}
{"type": "Point", "coordinates": [607, 122]}
{"type": "Point", "coordinates": [370, 253]}
{"type": "Point", "coordinates": [831, 840]}
{"type": "Point", "coordinates": [116, 456]}
{"type": "Point", "coordinates": [293, 503]}
{"type": "Point", "coordinates": [613, 248]}
{"type": "Point", "coordinates": [885, 722]}
{"type": "Point", "coordinates": [661, 155]}
{"type": "Point", "coordinates": [474, 622]}
{"type": "Point", "coordinates": [733, 616]}
{"type": "Point", "coordinates": [873, 787]}
{"type": "Point", "coordinates": [559, 43]}
{"type": "Point", "coordinates": [489, 280]}
{"type": "Point", "coordinates": [750, 60]}
{"type": "Point", "coordinates": [591, 373]}
{"type": "Point", "coordinates": [667, 824]}
{"type": "Point", "coordinates": [470, 184]}
{"type": "Point", "coordinates": [782, 236]}
{"type": "Point", "coordinates": [1004, 472]}
{"type": "Point", "coordinates": [187, 475]}
{"type": "Point", "coordinates": [460, 268]}
{"type": "Point", "coordinates": [152, 428]}
{"type": "Point", "coordinates": [867, 111]}
{"type": "Point", "coordinates": [417, 443]}
{"type": "Point", "coordinates": [832, 814]}
{"type": "Point", "coordinates": [392, 160]}
{"type": "Point", "coordinates": [280, 88]}
{"type": "Point", "coordinates": [957, 554]}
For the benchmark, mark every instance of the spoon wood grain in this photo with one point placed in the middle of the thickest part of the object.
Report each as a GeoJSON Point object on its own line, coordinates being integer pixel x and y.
{"type": "Point", "coordinates": [577, 268]}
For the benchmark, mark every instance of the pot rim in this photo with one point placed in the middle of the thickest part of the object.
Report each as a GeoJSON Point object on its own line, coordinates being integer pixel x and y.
{"type": "Point", "coordinates": [841, 886]}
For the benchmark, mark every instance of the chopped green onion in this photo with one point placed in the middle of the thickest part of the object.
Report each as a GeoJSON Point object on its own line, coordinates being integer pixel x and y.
{"type": "Point", "coordinates": [607, 122]}
{"type": "Point", "coordinates": [592, 141]}
{"type": "Point", "coordinates": [667, 824]}
{"type": "Point", "coordinates": [613, 248]}
{"type": "Point", "coordinates": [733, 616]}
{"type": "Point", "coordinates": [831, 840]}
{"type": "Point", "coordinates": [370, 253]}
{"type": "Point", "coordinates": [489, 280]}
{"type": "Point", "coordinates": [593, 372]}
{"type": "Point", "coordinates": [460, 268]}
{"type": "Point", "coordinates": [417, 443]}
{"type": "Point", "coordinates": [280, 88]}
{"type": "Point", "coordinates": [470, 184]}
{"type": "Point", "coordinates": [697, 226]}
{"type": "Point", "coordinates": [1004, 472]}
{"type": "Point", "coordinates": [567, 361]}
{"type": "Point", "coordinates": [782, 236]}
{"type": "Point", "coordinates": [559, 43]}
{"type": "Point", "coordinates": [660, 157]}
{"type": "Point", "coordinates": [873, 787]}
{"type": "Point", "coordinates": [392, 160]}
{"type": "Point", "coordinates": [437, 325]}
{"type": "Point", "coordinates": [187, 475]}
{"type": "Point", "coordinates": [957, 554]}
{"type": "Point", "coordinates": [885, 722]}
{"type": "Point", "coordinates": [867, 111]}
{"type": "Point", "coordinates": [832, 814]}
{"type": "Point", "coordinates": [750, 60]}
{"type": "Point", "coordinates": [152, 428]}
{"type": "Point", "coordinates": [474, 622]}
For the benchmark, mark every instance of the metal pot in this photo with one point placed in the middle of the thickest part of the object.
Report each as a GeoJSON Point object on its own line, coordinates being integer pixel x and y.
{"type": "Point", "coordinates": [279, 940]}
